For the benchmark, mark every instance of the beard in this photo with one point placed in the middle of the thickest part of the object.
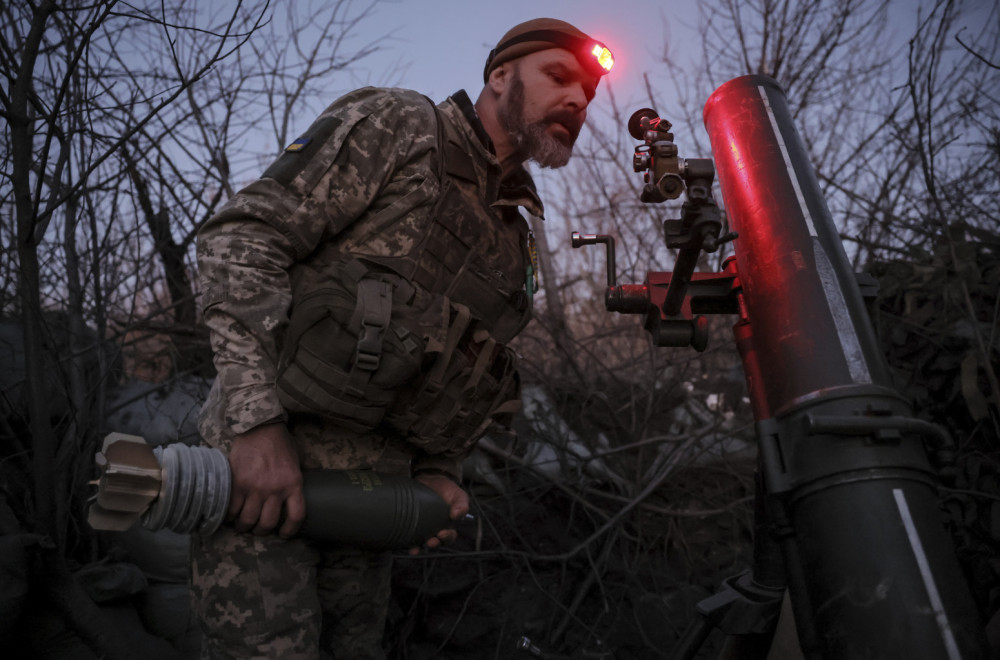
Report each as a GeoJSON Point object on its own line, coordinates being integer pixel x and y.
{"type": "Point", "coordinates": [533, 140]}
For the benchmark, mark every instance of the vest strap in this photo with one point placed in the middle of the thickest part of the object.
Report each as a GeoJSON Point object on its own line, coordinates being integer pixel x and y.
{"type": "Point", "coordinates": [375, 311]}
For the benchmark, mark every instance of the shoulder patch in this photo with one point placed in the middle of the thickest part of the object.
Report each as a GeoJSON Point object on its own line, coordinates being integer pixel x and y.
{"type": "Point", "coordinates": [298, 154]}
{"type": "Point", "coordinates": [298, 145]}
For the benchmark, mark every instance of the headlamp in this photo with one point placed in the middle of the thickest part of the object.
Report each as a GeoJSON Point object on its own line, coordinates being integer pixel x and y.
{"type": "Point", "coordinates": [603, 56]}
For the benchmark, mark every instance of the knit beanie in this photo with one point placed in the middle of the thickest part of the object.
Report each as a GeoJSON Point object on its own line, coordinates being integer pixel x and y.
{"type": "Point", "coordinates": [543, 33]}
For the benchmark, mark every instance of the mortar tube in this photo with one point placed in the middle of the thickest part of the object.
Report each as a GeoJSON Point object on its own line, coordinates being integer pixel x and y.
{"type": "Point", "coordinates": [882, 579]}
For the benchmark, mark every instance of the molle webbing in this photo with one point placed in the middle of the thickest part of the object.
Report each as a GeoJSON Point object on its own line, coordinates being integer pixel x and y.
{"type": "Point", "coordinates": [343, 349]}
{"type": "Point", "coordinates": [473, 383]}
{"type": "Point", "coordinates": [372, 315]}
{"type": "Point", "coordinates": [452, 257]}
{"type": "Point", "coordinates": [415, 340]}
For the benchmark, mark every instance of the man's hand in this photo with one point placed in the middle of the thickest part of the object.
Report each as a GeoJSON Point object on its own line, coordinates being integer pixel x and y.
{"type": "Point", "coordinates": [458, 505]}
{"type": "Point", "coordinates": [266, 478]}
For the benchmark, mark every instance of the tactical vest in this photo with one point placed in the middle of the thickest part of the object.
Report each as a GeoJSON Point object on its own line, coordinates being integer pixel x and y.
{"type": "Point", "coordinates": [416, 340]}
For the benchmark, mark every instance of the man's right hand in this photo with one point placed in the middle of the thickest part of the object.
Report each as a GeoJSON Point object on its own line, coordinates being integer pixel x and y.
{"type": "Point", "coordinates": [266, 478]}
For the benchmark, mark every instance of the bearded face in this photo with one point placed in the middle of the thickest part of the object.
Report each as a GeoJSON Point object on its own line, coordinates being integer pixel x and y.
{"type": "Point", "coordinates": [533, 140]}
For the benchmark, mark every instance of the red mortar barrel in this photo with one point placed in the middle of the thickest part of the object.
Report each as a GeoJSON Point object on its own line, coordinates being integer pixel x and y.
{"type": "Point", "coordinates": [871, 570]}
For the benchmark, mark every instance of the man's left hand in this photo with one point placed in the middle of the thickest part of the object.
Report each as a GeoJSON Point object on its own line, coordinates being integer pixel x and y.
{"type": "Point", "coordinates": [458, 505]}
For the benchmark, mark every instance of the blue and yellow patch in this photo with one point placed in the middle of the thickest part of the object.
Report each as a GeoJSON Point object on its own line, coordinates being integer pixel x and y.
{"type": "Point", "coordinates": [298, 145]}
{"type": "Point", "coordinates": [291, 162]}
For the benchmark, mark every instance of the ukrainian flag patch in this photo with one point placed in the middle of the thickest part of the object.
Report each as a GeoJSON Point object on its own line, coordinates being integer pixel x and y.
{"type": "Point", "coordinates": [298, 145]}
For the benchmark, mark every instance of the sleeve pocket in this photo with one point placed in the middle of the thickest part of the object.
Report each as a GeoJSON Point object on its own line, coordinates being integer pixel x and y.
{"type": "Point", "coordinates": [213, 296]}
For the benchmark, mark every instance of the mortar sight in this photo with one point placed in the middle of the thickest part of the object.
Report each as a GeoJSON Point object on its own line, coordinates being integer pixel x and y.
{"type": "Point", "coordinates": [657, 154]}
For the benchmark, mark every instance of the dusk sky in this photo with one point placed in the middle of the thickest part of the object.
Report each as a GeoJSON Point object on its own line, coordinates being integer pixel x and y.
{"type": "Point", "coordinates": [439, 46]}
{"type": "Point", "coordinates": [443, 44]}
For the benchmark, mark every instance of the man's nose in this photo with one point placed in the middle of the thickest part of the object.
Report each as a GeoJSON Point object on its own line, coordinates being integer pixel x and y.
{"type": "Point", "coordinates": [576, 98]}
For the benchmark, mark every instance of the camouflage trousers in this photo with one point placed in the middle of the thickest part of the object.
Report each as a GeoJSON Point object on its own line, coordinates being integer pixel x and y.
{"type": "Point", "coordinates": [264, 597]}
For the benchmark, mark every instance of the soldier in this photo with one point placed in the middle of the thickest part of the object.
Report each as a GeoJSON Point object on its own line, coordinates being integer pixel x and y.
{"type": "Point", "coordinates": [361, 295]}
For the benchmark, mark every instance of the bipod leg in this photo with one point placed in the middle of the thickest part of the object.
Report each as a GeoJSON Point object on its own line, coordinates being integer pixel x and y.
{"type": "Point", "coordinates": [739, 608]}
{"type": "Point", "coordinates": [747, 605]}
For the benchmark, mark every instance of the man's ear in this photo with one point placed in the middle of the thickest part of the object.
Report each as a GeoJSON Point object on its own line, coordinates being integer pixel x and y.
{"type": "Point", "coordinates": [499, 77]}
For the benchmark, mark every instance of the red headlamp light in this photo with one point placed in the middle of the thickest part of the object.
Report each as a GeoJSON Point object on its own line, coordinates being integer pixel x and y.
{"type": "Point", "coordinates": [603, 56]}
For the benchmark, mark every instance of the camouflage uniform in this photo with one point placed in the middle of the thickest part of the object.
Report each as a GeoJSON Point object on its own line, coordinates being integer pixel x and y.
{"type": "Point", "coordinates": [364, 181]}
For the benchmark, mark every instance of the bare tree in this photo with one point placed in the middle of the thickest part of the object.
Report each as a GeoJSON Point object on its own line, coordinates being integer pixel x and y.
{"type": "Point", "coordinates": [221, 132]}
{"type": "Point", "coordinates": [61, 134]}
{"type": "Point", "coordinates": [952, 96]}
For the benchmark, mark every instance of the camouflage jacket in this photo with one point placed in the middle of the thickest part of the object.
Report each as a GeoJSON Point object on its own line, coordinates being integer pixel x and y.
{"type": "Point", "coordinates": [361, 180]}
